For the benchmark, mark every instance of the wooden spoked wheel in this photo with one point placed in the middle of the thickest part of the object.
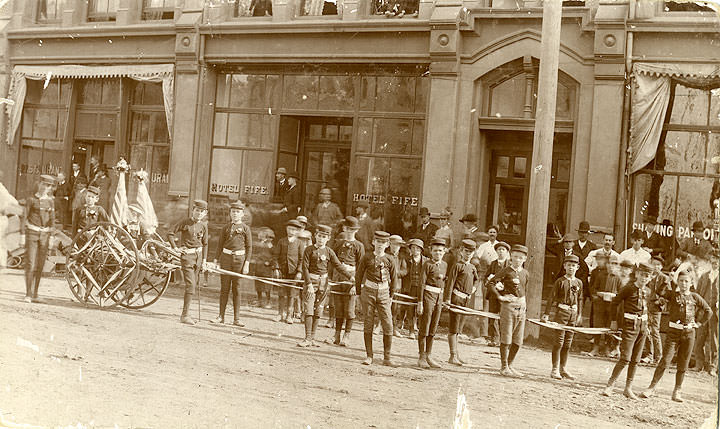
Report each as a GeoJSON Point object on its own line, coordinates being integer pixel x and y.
{"type": "Point", "coordinates": [157, 265]}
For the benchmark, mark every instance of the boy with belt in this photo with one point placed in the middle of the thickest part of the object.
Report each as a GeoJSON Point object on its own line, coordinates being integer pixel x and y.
{"type": "Point", "coordinates": [190, 237]}
{"type": "Point", "coordinates": [634, 329]}
{"type": "Point", "coordinates": [374, 277]}
{"type": "Point", "coordinates": [430, 294]}
{"type": "Point", "coordinates": [656, 305]}
{"type": "Point", "coordinates": [686, 312]}
{"type": "Point", "coordinates": [288, 259]}
{"type": "Point", "coordinates": [90, 213]}
{"type": "Point", "coordinates": [234, 252]}
{"type": "Point", "coordinates": [502, 250]}
{"type": "Point", "coordinates": [349, 251]}
{"type": "Point", "coordinates": [316, 260]}
{"type": "Point", "coordinates": [461, 284]}
{"type": "Point", "coordinates": [39, 226]}
{"type": "Point", "coordinates": [565, 308]}
{"type": "Point", "coordinates": [411, 271]}
{"type": "Point", "coordinates": [510, 284]}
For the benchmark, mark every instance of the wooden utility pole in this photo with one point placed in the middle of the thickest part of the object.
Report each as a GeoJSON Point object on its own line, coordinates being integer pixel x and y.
{"type": "Point", "coordinates": [542, 157]}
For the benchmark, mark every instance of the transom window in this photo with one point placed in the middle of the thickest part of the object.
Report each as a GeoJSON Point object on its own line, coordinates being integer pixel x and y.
{"type": "Point", "coordinates": [49, 11]}
{"type": "Point", "coordinates": [102, 10]}
{"type": "Point", "coordinates": [153, 10]}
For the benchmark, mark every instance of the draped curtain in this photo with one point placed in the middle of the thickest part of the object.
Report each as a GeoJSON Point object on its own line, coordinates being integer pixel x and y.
{"type": "Point", "coordinates": [148, 73]}
{"type": "Point", "coordinates": [651, 85]}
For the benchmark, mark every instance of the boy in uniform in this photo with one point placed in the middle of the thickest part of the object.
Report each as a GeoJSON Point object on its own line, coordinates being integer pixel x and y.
{"type": "Point", "coordinates": [349, 251]}
{"type": "Point", "coordinates": [430, 294]}
{"type": "Point", "coordinates": [39, 226]}
{"type": "Point", "coordinates": [510, 284]}
{"type": "Point", "coordinates": [412, 268]}
{"type": "Point", "coordinates": [373, 279]}
{"type": "Point", "coordinates": [316, 260]}
{"type": "Point", "coordinates": [288, 259]}
{"type": "Point", "coordinates": [634, 300]}
{"type": "Point", "coordinates": [656, 305]}
{"type": "Point", "coordinates": [502, 250]}
{"type": "Point", "coordinates": [190, 237]}
{"type": "Point", "coordinates": [393, 250]}
{"type": "Point", "coordinates": [600, 313]}
{"type": "Point", "coordinates": [234, 252]}
{"type": "Point", "coordinates": [461, 283]}
{"type": "Point", "coordinates": [263, 265]}
{"type": "Point", "coordinates": [90, 213]}
{"type": "Point", "coordinates": [565, 308]}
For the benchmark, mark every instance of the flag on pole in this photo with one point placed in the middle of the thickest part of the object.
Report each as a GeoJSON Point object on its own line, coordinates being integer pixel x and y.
{"type": "Point", "coordinates": [118, 215]}
{"type": "Point", "coordinates": [149, 221]}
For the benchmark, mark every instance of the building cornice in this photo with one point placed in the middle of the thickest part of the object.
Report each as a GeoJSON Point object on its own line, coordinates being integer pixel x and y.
{"type": "Point", "coordinates": [301, 26]}
{"type": "Point", "coordinates": [92, 30]}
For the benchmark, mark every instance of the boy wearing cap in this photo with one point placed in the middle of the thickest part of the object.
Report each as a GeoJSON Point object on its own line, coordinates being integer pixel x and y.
{"type": "Point", "coordinates": [411, 270]}
{"type": "Point", "coordinates": [264, 265]}
{"type": "Point", "coordinates": [288, 259]}
{"type": "Point", "coordinates": [39, 226]}
{"type": "Point", "coordinates": [349, 251]}
{"type": "Point", "coordinates": [502, 250]}
{"type": "Point", "coordinates": [461, 284]}
{"type": "Point", "coordinates": [633, 297]}
{"type": "Point", "coordinates": [564, 308]}
{"type": "Point", "coordinates": [658, 285]}
{"type": "Point", "coordinates": [430, 295]}
{"type": "Point", "coordinates": [374, 277]}
{"type": "Point", "coordinates": [234, 252]}
{"type": "Point", "coordinates": [393, 250]}
{"type": "Point", "coordinates": [686, 311]}
{"type": "Point", "coordinates": [636, 254]}
{"type": "Point", "coordinates": [315, 263]}
{"type": "Point", "coordinates": [510, 284]}
{"type": "Point", "coordinates": [326, 212]}
{"type": "Point", "coordinates": [90, 213]}
{"type": "Point", "coordinates": [190, 237]}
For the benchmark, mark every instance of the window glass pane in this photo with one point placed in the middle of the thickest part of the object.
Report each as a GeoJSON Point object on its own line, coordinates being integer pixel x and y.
{"type": "Point", "coordinates": [519, 167]}
{"type": "Point", "coordinates": [222, 94]}
{"type": "Point", "coordinates": [289, 134]}
{"type": "Point", "coordinates": [367, 93]}
{"type": "Point", "coordinates": [45, 126]}
{"type": "Point", "coordinates": [65, 91]}
{"type": "Point", "coordinates": [395, 94]}
{"type": "Point", "coordinates": [503, 166]}
{"type": "Point", "coordinates": [90, 91]}
{"type": "Point", "coordinates": [254, 178]}
{"type": "Point", "coordinates": [29, 168]}
{"type": "Point", "coordinates": [34, 91]}
{"type": "Point", "coordinates": [153, 94]}
{"type": "Point", "coordinates": [111, 91]}
{"type": "Point", "coordinates": [365, 135]}
{"type": "Point", "coordinates": [331, 132]}
{"type": "Point", "coordinates": [62, 122]}
{"type": "Point", "coordinates": [345, 133]}
{"type": "Point", "coordinates": [238, 129]}
{"type": "Point", "coordinates": [161, 128]}
{"type": "Point", "coordinates": [316, 132]}
{"type": "Point", "coordinates": [108, 125]}
{"type": "Point", "coordinates": [268, 131]}
{"type": "Point", "coordinates": [247, 90]}
{"type": "Point", "coordinates": [86, 124]}
{"type": "Point", "coordinates": [418, 137]}
{"type": "Point", "coordinates": [557, 207]}
{"type": "Point", "coordinates": [287, 161]}
{"type": "Point", "coordinates": [225, 177]}
{"type": "Point", "coordinates": [301, 92]}
{"type": "Point", "coordinates": [563, 170]}
{"type": "Point", "coordinates": [694, 202]}
{"type": "Point", "coordinates": [159, 180]}
{"type": "Point", "coordinates": [690, 106]}
{"type": "Point", "coordinates": [715, 107]}
{"type": "Point", "coordinates": [507, 206]}
{"type": "Point", "coordinates": [50, 94]}
{"type": "Point", "coordinates": [421, 94]}
{"type": "Point", "coordinates": [713, 158]}
{"type": "Point", "coordinates": [220, 131]}
{"type": "Point", "coordinates": [684, 152]}
{"type": "Point", "coordinates": [273, 91]}
{"type": "Point", "coordinates": [564, 102]}
{"type": "Point", "coordinates": [337, 93]}
{"type": "Point", "coordinates": [28, 120]}
{"type": "Point", "coordinates": [139, 157]}
{"type": "Point", "coordinates": [393, 136]}
{"type": "Point", "coordinates": [654, 196]}
{"type": "Point", "coordinates": [508, 98]}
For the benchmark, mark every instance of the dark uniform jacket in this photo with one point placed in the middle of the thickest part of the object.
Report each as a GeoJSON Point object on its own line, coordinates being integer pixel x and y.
{"type": "Point", "coordinates": [235, 237]}
{"type": "Point", "coordinates": [708, 290]}
{"type": "Point", "coordinates": [461, 280]}
{"type": "Point", "coordinates": [288, 256]}
{"type": "Point", "coordinates": [698, 247]}
{"type": "Point", "coordinates": [687, 309]}
{"type": "Point", "coordinates": [88, 215]}
{"type": "Point", "coordinates": [415, 275]}
{"type": "Point", "coordinates": [426, 234]}
{"type": "Point", "coordinates": [377, 269]}
{"type": "Point", "coordinates": [349, 252]}
{"type": "Point", "coordinates": [40, 212]}
{"type": "Point", "coordinates": [634, 299]}
{"type": "Point", "coordinates": [514, 282]}
{"type": "Point", "coordinates": [191, 235]}
{"type": "Point", "coordinates": [433, 274]}
{"type": "Point", "coordinates": [657, 286]}
{"type": "Point", "coordinates": [316, 260]}
{"type": "Point", "coordinates": [585, 250]}
{"type": "Point", "coordinates": [566, 292]}
{"type": "Point", "coordinates": [292, 202]}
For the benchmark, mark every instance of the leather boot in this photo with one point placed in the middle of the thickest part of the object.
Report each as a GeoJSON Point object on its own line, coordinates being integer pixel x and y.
{"type": "Point", "coordinates": [504, 352]}
{"type": "Point", "coordinates": [679, 377]}
{"type": "Point", "coordinates": [387, 346]}
{"type": "Point", "coordinates": [564, 352]}
{"type": "Point", "coordinates": [184, 317]}
{"type": "Point", "coordinates": [307, 342]}
{"type": "Point", "coordinates": [629, 381]}
{"type": "Point", "coordinates": [236, 311]}
{"type": "Point", "coordinates": [422, 360]}
{"type": "Point", "coordinates": [554, 373]}
{"type": "Point", "coordinates": [29, 284]}
{"type": "Point", "coordinates": [315, 322]}
{"type": "Point", "coordinates": [338, 331]}
{"type": "Point", "coordinates": [36, 285]}
{"type": "Point", "coordinates": [514, 348]}
{"type": "Point", "coordinates": [619, 366]}
{"type": "Point", "coordinates": [348, 329]}
{"type": "Point", "coordinates": [428, 352]}
{"type": "Point", "coordinates": [367, 336]}
{"type": "Point", "coordinates": [452, 343]}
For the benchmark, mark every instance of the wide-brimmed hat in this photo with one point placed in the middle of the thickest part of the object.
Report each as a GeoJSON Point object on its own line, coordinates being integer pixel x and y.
{"type": "Point", "coordinates": [584, 226]}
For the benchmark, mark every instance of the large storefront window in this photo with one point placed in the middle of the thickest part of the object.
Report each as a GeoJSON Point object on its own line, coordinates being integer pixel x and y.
{"type": "Point", "coordinates": [357, 133]}
{"type": "Point", "coordinates": [45, 117]}
{"type": "Point", "coordinates": [682, 183]}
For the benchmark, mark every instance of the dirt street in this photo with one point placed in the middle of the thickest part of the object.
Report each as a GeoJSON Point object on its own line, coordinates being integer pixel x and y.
{"type": "Point", "coordinates": [63, 364]}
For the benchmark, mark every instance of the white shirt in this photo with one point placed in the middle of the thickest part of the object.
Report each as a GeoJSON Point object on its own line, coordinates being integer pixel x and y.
{"type": "Point", "coordinates": [592, 262]}
{"type": "Point", "coordinates": [486, 253]}
{"type": "Point", "coordinates": [635, 256]}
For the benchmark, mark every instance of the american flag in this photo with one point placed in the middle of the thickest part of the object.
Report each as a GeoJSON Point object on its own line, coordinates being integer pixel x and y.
{"type": "Point", "coordinates": [118, 215]}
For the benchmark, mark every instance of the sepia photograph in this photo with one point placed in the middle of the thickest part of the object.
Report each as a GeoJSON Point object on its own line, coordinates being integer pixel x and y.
{"type": "Point", "coordinates": [264, 213]}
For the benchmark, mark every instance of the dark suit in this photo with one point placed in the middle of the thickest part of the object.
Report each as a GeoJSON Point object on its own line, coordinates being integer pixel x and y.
{"type": "Point", "coordinates": [426, 234]}
{"type": "Point", "coordinates": [700, 249]}
{"type": "Point", "coordinates": [292, 202]}
{"type": "Point", "coordinates": [63, 211]}
{"type": "Point", "coordinates": [73, 180]}
{"type": "Point", "coordinates": [583, 271]}
{"type": "Point", "coordinates": [585, 250]}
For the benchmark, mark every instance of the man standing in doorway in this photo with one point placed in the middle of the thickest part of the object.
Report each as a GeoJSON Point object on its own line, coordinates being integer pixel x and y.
{"type": "Point", "coordinates": [326, 212]}
{"type": "Point", "coordinates": [584, 245]}
{"type": "Point", "coordinates": [292, 204]}
{"type": "Point", "coordinates": [425, 230]}
{"type": "Point", "coordinates": [280, 185]}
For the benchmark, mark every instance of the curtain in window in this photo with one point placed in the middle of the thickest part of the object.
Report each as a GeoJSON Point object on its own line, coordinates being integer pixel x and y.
{"type": "Point", "coordinates": [148, 73]}
{"type": "Point", "coordinates": [650, 96]}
